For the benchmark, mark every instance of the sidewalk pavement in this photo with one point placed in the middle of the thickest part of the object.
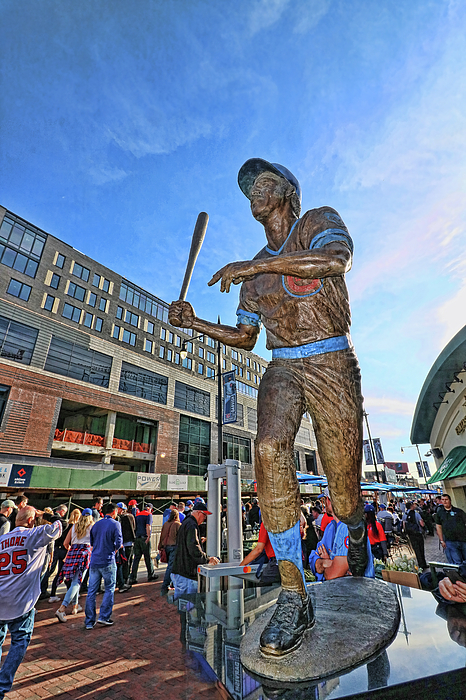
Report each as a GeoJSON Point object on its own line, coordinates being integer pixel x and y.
{"type": "Point", "coordinates": [139, 658]}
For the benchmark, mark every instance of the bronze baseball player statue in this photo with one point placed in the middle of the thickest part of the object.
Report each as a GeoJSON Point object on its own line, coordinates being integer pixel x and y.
{"type": "Point", "coordinates": [295, 287]}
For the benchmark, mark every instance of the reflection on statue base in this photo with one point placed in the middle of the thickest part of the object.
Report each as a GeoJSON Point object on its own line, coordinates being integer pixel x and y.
{"type": "Point", "coordinates": [356, 618]}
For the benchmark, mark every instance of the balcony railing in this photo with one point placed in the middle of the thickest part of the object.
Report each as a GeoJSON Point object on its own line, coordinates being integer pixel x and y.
{"type": "Point", "coordinates": [79, 438]}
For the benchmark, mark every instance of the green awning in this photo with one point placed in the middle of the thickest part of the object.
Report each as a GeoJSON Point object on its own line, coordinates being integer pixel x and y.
{"type": "Point", "coordinates": [453, 465]}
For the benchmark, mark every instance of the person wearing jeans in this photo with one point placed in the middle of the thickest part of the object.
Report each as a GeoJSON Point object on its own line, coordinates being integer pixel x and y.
{"type": "Point", "coordinates": [78, 544]}
{"type": "Point", "coordinates": [106, 540]}
{"type": "Point", "coordinates": [168, 542]}
{"type": "Point", "coordinates": [23, 553]}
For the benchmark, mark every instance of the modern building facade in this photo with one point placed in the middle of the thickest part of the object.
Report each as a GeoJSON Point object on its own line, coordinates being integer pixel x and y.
{"type": "Point", "coordinates": [92, 376]}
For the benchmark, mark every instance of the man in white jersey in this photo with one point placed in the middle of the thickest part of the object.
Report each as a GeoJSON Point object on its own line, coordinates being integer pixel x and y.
{"type": "Point", "coordinates": [22, 553]}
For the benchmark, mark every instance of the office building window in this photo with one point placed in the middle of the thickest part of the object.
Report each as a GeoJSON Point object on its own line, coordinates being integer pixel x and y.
{"type": "Point", "coordinates": [92, 299]}
{"type": "Point", "coordinates": [147, 303]}
{"type": "Point", "coordinates": [116, 332]}
{"type": "Point", "coordinates": [148, 345]}
{"type": "Point", "coordinates": [163, 333]}
{"type": "Point", "coordinates": [55, 281]}
{"type": "Point", "coordinates": [210, 342]}
{"type": "Point", "coordinates": [201, 353]}
{"type": "Point", "coordinates": [189, 347]}
{"type": "Point", "coordinates": [141, 382]}
{"type": "Point", "coordinates": [103, 304]}
{"type": "Point", "coordinates": [119, 313]}
{"type": "Point", "coordinates": [129, 337]}
{"type": "Point", "coordinates": [96, 280]}
{"type": "Point", "coordinates": [88, 318]}
{"type": "Point", "coordinates": [21, 245]}
{"type": "Point", "coordinates": [71, 312]}
{"type": "Point", "coordinates": [48, 306]}
{"type": "Point", "coordinates": [235, 447]}
{"type": "Point", "coordinates": [150, 327]}
{"type": "Point", "coordinates": [246, 389]}
{"type": "Point", "coordinates": [4, 393]}
{"type": "Point", "coordinates": [60, 261]}
{"type": "Point", "coordinates": [187, 363]}
{"type": "Point", "coordinates": [210, 357]}
{"type": "Point", "coordinates": [200, 368]}
{"type": "Point", "coordinates": [194, 446]}
{"type": "Point", "coordinates": [177, 341]}
{"type": "Point", "coordinates": [17, 341]}
{"type": "Point", "coordinates": [98, 324]}
{"type": "Point", "coordinates": [234, 355]}
{"type": "Point", "coordinates": [106, 285]}
{"type": "Point", "coordinates": [81, 272]}
{"type": "Point", "coordinates": [190, 399]}
{"type": "Point", "coordinates": [75, 291]}
{"type": "Point", "coordinates": [169, 354]}
{"type": "Point", "coordinates": [19, 289]}
{"type": "Point", "coordinates": [132, 319]}
{"type": "Point", "coordinates": [177, 358]}
{"type": "Point", "coordinates": [162, 352]}
{"type": "Point", "coordinates": [248, 375]}
{"type": "Point", "coordinates": [248, 362]}
{"type": "Point", "coordinates": [77, 362]}
{"type": "Point", "coordinates": [210, 372]}
{"type": "Point", "coordinates": [224, 364]}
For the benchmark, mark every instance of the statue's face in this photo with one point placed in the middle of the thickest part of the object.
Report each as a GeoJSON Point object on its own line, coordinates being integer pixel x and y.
{"type": "Point", "coordinates": [267, 193]}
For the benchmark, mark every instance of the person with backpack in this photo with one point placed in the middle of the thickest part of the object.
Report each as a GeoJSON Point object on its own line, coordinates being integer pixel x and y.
{"type": "Point", "coordinates": [412, 525]}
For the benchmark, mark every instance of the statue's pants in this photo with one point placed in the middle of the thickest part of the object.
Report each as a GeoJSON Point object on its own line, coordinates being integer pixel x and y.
{"type": "Point", "coordinates": [328, 386]}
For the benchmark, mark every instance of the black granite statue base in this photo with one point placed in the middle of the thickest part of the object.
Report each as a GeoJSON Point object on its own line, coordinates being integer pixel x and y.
{"type": "Point", "coordinates": [356, 618]}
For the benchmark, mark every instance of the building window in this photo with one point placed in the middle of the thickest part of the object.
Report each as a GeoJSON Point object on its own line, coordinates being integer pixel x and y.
{"type": "Point", "coordinates": [116, 332]}
{"type": "Point", "coordinates": [240, 370]}
{"type": "Point", "coordinates": [169, 354]}
{"type": "Point", "coordinates": [235, 447]}
{"type": "Point", "coordinates": [119, 313]}
{"type": "Point", "coordinates": [210, 357]}
{"type": "Point", "coordinates": [129, 337]}
{"type": "Point", "coordinates": [248, 362]}
{"type": "Point", "coordinates": [150, 327]}
{"type": "Point", "coordinates": [71, 312]}
{"type": "Point", "coordinates": [75, 291]}
{"type": "Point", "coordinates": [92, 299]}
{"type": "Point", "coordinates": [200, 368]}
{"type": "Point", "coordinates": [189, 347]}
{"type": "Point", "coordinates": [177, 358]}
{"type": "Point", "coordinates": [135, 296]}
{"type": "Point", "coordinates": [106, 285]}
{"type": "Point", "coordinates": [210, 372]}
{"type": "Point", "coordinates": [210, 342]}
{"type": "Point", "coordinates": [103, 304]}
{"type": "Point", "coordinates": [177, 341]}
{"type": "Point", "coordinates": [81, 272]}
{"type": "Point", "coordinates": [141, 382]}
{"type": "Point", "coordinates": [148, 345]}
{"type": "Point", "coordinates": [246, 389]}
{"type": "Point", "coordinates": [17, 341]}
{"type": "Point", "coordinates": [162, 352]}
{"type": "Point", "coordinates": [96, 280]}
{"type": "Point", "coordinates": [234, 355]}
{"type": "Point", "coordinates": [194, 446]}
{"type": "Point", "coordinates": [190, 399]}
{"type": "Point", "coordinates": [74, 361]}
{"type": "Point", "coordinates": [224, 364]}
{"type": "Point", "coordinates": [55, 281]}
{"type": "Point", "coordinates": [132, 319]}
{"type": "Point", "coordinates": [21, 245]}
{"type": "Point", "coordinates": [60, 261]}
{"type": "Point", "coordinates": [201, 353]}
{"type": "Point", "coordinates": [88, 318]}
{"type": "Point", "coordinates": [234, 368]}
{"type": "Point", "coordinates": [163, 333]}
{"type": "Point", "coordinates": [187, 363]}
{"type": "Point", "coordinates": [248, 375]}
{"type": "Point", "coordinates": [48, 306]}
{"type": "Point", "coordinates": [4, 393]}
{"type": "Point", "coordinates": [170, 337]}
{"type": "Point", "coordinates": [18, 289]}
{"type": "Point", "coordinates": [98, 324]}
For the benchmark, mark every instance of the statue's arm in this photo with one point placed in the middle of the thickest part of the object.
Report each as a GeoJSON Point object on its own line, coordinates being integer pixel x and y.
{"type": "Point", "coordinates": [244, 337]}
{"type": "Point", "coordinates": [329, 261]}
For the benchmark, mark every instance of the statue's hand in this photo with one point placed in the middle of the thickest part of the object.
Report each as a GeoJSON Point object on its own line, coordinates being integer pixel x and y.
{"type": "Point", "coordinates": [233, 273]}
{"type": "Point", "coordinates": [181, 314]}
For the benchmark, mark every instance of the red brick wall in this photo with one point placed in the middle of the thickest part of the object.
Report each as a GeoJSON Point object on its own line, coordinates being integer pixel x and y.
{"type": "Point", "coordinates": [33, 398]}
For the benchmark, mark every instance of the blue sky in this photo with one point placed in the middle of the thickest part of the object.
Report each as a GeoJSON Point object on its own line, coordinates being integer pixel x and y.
{"type": "Point", "coordinates": [121, 121]}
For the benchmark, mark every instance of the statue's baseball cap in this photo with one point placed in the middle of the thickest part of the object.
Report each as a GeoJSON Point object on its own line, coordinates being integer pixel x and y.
{"type": "Point", "coordinates": [255, 166]}
{"type": "Point", "coordinates": [202, 507]}
{"type": "Point", "coordinates": [8, 504]}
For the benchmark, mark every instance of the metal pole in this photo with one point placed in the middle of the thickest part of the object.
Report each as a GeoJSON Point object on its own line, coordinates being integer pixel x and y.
{"type": "Point", "coordinates": [214, 486]}
{"type": "Point", "coordinates": [371, 445]}
{"type": "Point", "coordinates": [235, 530]}
{"type": "Point", "coordinates": [422, 464]}
{"type": "Point", "coordinates": [220, 402]}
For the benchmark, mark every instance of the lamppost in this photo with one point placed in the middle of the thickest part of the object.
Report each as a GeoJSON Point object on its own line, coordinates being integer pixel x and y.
{"type": "Point", "coordinates": [420, 459]}
{"type": "Point", "coordinates": [374, 457]}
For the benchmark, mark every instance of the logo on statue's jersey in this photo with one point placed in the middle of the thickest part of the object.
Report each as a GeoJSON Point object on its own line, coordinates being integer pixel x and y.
{"type": "Point", "coordinates": [298, 287]}
{"type": "Point", "coordinates": [346, 542]}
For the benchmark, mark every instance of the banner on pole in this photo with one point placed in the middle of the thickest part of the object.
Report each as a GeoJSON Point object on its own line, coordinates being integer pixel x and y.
{"type": "Point", "coordinates": [378, 451]}
{"type": "Point", "coordinates": [367, 453]}
{"type": "Point", "coordinates": [426, 469]}
{"type": "Point", "coordinates": [229, 397]}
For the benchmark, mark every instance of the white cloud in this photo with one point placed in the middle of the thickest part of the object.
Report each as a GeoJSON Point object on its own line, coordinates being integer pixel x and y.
{"type": "Point", "coordinates": [310, 15]}
{"type": "Point", "coordinates": [265, 13]}
{"type": "Point", "coordinates": [451, 315]}
{"type": "Point", "coordinates": [387, 404]}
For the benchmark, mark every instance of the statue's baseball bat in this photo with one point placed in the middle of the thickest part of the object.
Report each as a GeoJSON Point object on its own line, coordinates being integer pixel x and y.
{"type": "Point", "coordinates": [196, 243]}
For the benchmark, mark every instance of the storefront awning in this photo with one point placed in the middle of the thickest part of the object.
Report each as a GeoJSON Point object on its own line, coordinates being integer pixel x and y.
{"type": "Point", "coordinates": [453, 465]}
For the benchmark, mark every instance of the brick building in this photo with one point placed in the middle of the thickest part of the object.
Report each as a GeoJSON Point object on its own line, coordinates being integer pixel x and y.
{"type": "Point", "coordinates": [92, 377]}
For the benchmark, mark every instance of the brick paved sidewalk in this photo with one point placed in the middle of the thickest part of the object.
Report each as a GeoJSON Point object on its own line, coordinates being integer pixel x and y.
{"type": "Point", "coordinates": [139, 658]}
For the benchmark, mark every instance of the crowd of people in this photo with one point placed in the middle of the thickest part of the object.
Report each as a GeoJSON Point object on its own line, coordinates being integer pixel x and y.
{"type": "Point", "coordinates": [105, 543]}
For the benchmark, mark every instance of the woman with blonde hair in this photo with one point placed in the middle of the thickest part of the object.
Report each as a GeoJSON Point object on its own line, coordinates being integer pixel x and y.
{"type": "Point", "coordinates": [78, 544]}
{"type": "Point", "coordinates": [74, 517]}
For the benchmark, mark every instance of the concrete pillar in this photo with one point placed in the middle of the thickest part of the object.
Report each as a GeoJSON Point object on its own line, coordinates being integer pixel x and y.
{"type": "Point", "coordinates": [235, 530]}
{"type": "Point", "coordinates": [109, 434]}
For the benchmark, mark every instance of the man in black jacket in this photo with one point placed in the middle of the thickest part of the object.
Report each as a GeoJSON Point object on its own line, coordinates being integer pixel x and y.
{"type": "Point", "coordinates": [189, 553]}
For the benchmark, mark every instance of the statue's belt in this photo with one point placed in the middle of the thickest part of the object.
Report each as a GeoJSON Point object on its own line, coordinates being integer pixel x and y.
{"type": "Point", "coordinates": [319, 347]}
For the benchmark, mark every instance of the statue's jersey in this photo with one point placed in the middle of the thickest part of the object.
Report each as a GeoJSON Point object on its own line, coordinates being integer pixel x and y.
{"type": "Point", "coordinates": [298, 311]}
